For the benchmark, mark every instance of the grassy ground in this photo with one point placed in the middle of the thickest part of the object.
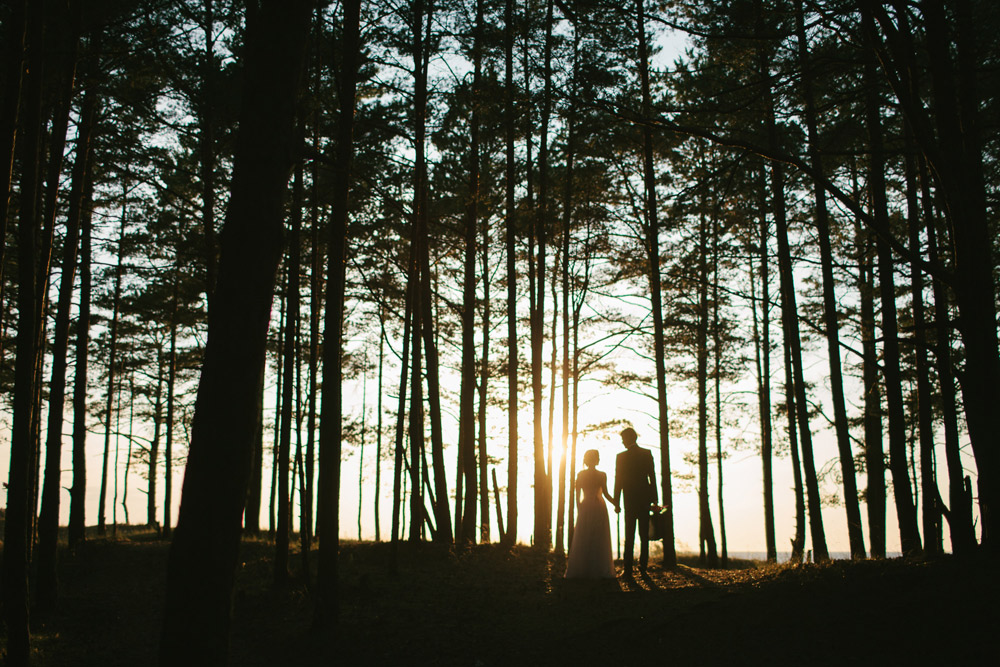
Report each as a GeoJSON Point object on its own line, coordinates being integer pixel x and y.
{"type": "Point", "coordinates": [487, 606]}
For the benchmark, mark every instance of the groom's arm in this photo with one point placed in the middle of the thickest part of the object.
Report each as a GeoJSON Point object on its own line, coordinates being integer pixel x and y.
{"type": "Point", "coordinates": [652, 479]}
{"type": "Point", "coordinates": [618, 483]}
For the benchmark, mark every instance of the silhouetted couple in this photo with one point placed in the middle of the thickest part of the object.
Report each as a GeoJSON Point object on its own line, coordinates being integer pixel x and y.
{"type": "Point", "coordinates": [635, 478]}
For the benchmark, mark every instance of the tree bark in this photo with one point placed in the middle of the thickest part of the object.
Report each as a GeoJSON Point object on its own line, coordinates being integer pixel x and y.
{"type": "Point", "coordinates": [78, 491]}
{"type": "Point", "coordinates": [510, 536]}
{"type": "Point", "coordinates": [19, 509]}
{"type": "Point", "coordinates": [656, 300]}
{"type": "Point", "coordinates": [906, 512]}
{"type": "Point", "coordinates": [830, 315]}
{"type": "Point", "coordinates": [331, 409]}
{"type": "Point", "coordinates": [204, 551]}
{"type": "Point", "coordinates": [48, 520]}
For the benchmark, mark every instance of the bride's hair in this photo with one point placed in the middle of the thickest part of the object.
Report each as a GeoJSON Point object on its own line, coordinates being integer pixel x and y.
{"type": "Point", "coordinates": [591, 457]}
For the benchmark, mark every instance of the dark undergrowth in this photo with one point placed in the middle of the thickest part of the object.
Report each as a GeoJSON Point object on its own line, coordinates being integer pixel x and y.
{"type": "Point", "coordinates": [489, 606]}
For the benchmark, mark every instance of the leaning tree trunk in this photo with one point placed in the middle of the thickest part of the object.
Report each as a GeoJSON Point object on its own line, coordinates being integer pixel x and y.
{"type": "Point", "coordinates": [205, 547]}
{"type": "Point", "coordinates": [652, 243]}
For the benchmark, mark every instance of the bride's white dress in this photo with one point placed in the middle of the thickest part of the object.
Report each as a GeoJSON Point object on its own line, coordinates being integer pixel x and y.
{"type": "Point", "coordinates": [590, 551]}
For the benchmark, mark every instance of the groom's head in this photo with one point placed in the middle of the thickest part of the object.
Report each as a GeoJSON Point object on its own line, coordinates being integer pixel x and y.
{"type": "Point", "coordinates": [629, 437]}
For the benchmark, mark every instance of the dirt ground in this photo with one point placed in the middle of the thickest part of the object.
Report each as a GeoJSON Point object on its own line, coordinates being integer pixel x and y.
{"type": "Point", "coordinates": [487, 606]}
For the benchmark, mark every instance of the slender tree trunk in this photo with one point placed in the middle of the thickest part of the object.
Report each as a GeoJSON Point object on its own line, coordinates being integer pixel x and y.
{"type": "Point", "coordinates": [799, 539]}
{"type": "Point", "coordinates": [656, 300]}
{"type": "Point", "coordinates": [112, 366]}
{"type": "Point", "coordinates": [168, 451]}
{"type": "Point", "coordinates": [378, 432]}
{"type": "Point", "coordinates": [831, 317]}
{"type": "Point", "coordinates": [906, 512]}
{"type": "Point", "coordinates": [790, 324]}
{"type": "Point", "coordinates": [19, 509]}
{"type": "Point", "coordinates": [78, 492]}
{"type": "Point", "coordinates": [206, 148]}
{"type": "Point", "coordinates": [291, 342]}
{"type": "Point", "coordinates": [963, 537]}
{"type": "Point", "coordinates": [707, 549]}
{"type": "Point", "coordinates": [331, 410]}
{"type": "Point", "coordinates": [154, 444]}
{"type": "Point", "coordinates": [465, 532]}
{"type": "Point", "coordinates": [278, 399]}
{"type": "Point", "coordinates": [717, 376]}
{"type": "Point", "coordinates": [510, 537]}
{"type": "Point", "coordinates": [397, 471]}
{"type": "Point", "coordinates": [251, 515]}
{"type": "Point", "coordinates": [930, 511]}
{"type": "Point", "coordinates": [204, 551]}
{"type": "Point", "coordinates": [484, 379]}
{"type": "Point", "coordinates": [48, 521]}
{"type": "Point", "coordinates": [762, 361]}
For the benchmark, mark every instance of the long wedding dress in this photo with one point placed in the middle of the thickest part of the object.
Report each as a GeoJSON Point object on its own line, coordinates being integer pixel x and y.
{"type": "Point", "coordinates": [590, 551]}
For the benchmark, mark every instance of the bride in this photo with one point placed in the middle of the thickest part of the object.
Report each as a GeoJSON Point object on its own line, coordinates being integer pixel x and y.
{"type": "Point", "coordinates": [590, 550]}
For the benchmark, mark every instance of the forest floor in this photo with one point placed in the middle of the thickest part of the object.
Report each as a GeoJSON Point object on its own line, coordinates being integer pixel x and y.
{"type": "Point", "coordinates": [486, 606]}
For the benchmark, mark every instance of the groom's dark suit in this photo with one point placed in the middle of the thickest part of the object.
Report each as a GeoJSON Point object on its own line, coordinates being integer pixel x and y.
{"type": "Point", "coordinates": [635, 476]}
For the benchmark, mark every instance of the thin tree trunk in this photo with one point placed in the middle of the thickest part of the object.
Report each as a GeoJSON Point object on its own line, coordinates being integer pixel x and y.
{"type": "Point", "coordinates": [707, 549]}
{"type": "Point", "coordinates": [206, 149]}
{"type": "Point", "coordinates": [13, 65]}
{"type": "Point", "coordinates": [799, 539]}
{"type": "Point", "coordinates": [656, 301]}
{"type": "Point", "coordinates": [293, 297]}
{"type": "Point", "coordinates": [251, 515]}
{"type": "Point", "coordinates": [484, 379]}
{"type": "Point", "coordinates": [465, 521]}
{"type": "Point", "coordinates": [278, 400]}
{"type": "Point", "coordinates": [906, 512]}
{"type": "Point", "coordinates": [331, 410]}
{"type": "Point", "coordinates": [154, 444]}
{"type": "Point", "coordinates": [378, 427]}
{"type": "Point", "coordinates": [510, 536]}
{"type": "Point", "coordinates": [963, 537]}
{"type": "Point", "coordinates": [717, 376]}
{"type": "Point", "coordinates": [112, 365]}
{"type": "Point", "coordinates": [831, 318]}
{"type": "Point", "coordinates": [48, 520]}
{"type": "Point", "coordinates": [762, 361]}
{"type": "Point", "coordinates": [930, 511]}
{"type": "Point", "coordinates": [205, 547]}
{"type": "Point", "coordinates": [78, 491]}
{"type": "Point", "coordinates": [397, 472]}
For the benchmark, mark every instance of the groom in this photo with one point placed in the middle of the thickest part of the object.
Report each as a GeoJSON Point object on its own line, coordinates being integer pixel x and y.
{"type": "Point", "coordinates": [634, 475]}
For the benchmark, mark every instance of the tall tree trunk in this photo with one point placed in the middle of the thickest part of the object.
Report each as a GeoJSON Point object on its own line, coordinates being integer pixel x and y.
{"type": "Point", "coordinates": [717, 377]}
{"type": "Point", "coordinates": [762, 361]}
{"type": "Point", "coordinates": [707, 549]}
{"type": "Point", "coordinates": [331, 410]}
{"type": "Point", "coordinates": [567, 221]}
{"type": "Point", "coordinates": [790, 325]}
{"type": "Point", "coordinates": [399, 461]}
{"type": "Point", "coordinates": [168, 449]}
{"type": "Point", "coordinates": [19, 509]}
{"type": "Point", "coordinates": [153, 462]}
{"type": "Point", "coordinates": [48, 521]}
{"type": "Point", "coordinates": [279, 394]}
{"type": "Point", "coordinates": [13, 65]}
{"type": "Point", "coordinates": [112, 366]}
{"type": "Point", "coordinates": [205, 547]}
{"type": "Point", "coordinates": [539, 223]}
{"type": "Point", "coordinates": [378, 427]}
{"type": "Point", "coordinates": [293, 296]}
{"type": "Point", "coordinates": [466, 411]}
{"type": "Point", "coordinates": [484, 379]}
{"type": "Point", "coordinates": [963, 537]}
{"type": "Point", "coordinates": [206, 148]}
{"type": "Point", "coordinates": [78, 491]}
{"type": "Point", "coordinates": [830, 315]}
{"type": "Point", "coordinates": [799, 538]}
{"type": "Point", "coordinates": [874, 457]}
{"type": "Point", "coordinates": [656, 301]}
{"type": "Point", "coordinates": [906, 512]}
{"type": "Point", "coordinates": [510, 537]}
{"type": "Point", "coordinates": [930, 511]}
{"type": "Point", "coordinates": [251, 514]}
